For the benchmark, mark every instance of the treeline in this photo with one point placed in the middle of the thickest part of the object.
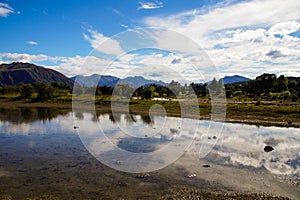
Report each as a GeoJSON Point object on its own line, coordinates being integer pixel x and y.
{"type": "Point", "coordinates": [37, 91]}
{"type": "Point", "coordinates": [265, 87]}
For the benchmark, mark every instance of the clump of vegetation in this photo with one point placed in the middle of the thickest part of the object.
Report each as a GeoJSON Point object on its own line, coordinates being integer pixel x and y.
{"type": "Point", "coordinates": [36, 91]}
{"type": "Point", "coordinates": [266, 87]}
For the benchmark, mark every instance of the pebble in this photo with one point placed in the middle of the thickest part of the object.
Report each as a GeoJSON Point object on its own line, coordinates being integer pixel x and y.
{"type": "Point", "coordinates": [143, 175]}
{"type": "Point", "coordinates": [268, 148]}
{"type": "Point", "coordinates": [191, 175]}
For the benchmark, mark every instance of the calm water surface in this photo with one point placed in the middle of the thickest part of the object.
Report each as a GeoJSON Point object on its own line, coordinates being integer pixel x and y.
{"type": "Point", "coordinates": [41, 154]}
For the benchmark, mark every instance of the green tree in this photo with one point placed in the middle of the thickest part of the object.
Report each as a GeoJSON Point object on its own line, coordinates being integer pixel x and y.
{"type": "Point", "coordinates": [26, 90]}
{"type": "Point", "coordinates": [147, 93]}
{"type": "Point", "coordinates": [45, 92]}
{"type": "Point", "coordinates": [282, 83]}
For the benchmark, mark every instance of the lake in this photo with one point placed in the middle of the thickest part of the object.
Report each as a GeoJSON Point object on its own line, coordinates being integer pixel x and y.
{"type": "Point", "coordinates": [67, 155]}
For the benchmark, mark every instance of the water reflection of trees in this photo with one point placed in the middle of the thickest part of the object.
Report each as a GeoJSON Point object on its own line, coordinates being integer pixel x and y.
{"type": "Point", "coordinates": [28, 115]}
{"type": "Point", "coordinates": [130, 118]}
{"type": "Point", "coordinates": [118, 117]}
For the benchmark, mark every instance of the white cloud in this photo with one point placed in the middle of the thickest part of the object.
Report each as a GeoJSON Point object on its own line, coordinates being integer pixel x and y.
{"type": "Point", "coordinates": [23, 57]}
{"type": "Point", "coordinates": [156, 66]}
{"type": "Point", "coordinates": [250, 13]}
{"type": "Point", "coordinates": [103, 44]}
{"type": "Point", "coordinates": [285, 28]}
{"type": "Point", "coordinates": [5, 10]}
{"type": "Point", "coordinates": [150, 5]}
{"type": "Point", "coordinates": [124, 26]}
{"type": "Point", "coordinates": [32, 43]}
{"type": "Point", "coordinates": [241, 38]}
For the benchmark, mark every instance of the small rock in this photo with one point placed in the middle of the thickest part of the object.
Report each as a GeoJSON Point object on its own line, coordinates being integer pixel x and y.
{"type": "Point", "coordinates": [268, 148]}
{"type": "Point", "coordinates": [209, 138]}
{"type": "Point", "coordinates": [71, 165]}
{"type": "Point", "coordinates": [214, 137]}
{"type": "Point", "coordinates": [206, 165]}
{"type": "Point", "coordinates": [143, 175]}
{"type": "Point", "coordinates": [191, 175]}
{"type": "Point", "coordinates": [290, 123]}
{"type": "Point", "coordinates": [76, 127]}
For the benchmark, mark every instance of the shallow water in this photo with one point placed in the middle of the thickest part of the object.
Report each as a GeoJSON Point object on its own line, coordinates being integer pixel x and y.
{"type": "Point", "coordinates": [41, 152]}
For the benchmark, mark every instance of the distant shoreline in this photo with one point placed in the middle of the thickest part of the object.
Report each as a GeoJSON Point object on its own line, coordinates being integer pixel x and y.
{"type": "Point", "coordinates": [263, 115]}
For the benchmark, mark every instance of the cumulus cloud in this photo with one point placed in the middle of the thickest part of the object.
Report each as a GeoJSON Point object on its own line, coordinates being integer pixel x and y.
{"type": "Point", "coordinates": [150, 5]}
{"type": "Point", "coordinates": [32, 42]}
{"type": "Point", "coordinates": [5, 10]}
{"type": "Point", "coordinates": [103, 44]}
{"type": "Point", "coordinates": [284, 28]}
{"type": "Point", "coordinates": [241, 37]}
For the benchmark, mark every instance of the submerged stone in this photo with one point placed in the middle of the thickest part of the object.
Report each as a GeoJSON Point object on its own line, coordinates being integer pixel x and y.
{"type": "Point", "coordinates": [268, 148]}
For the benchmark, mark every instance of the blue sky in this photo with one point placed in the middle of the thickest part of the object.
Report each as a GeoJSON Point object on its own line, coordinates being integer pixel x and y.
{"type": "Point", "coordinates": [57, 26]}
{"type": "Point", "coordinates": [240, 37]}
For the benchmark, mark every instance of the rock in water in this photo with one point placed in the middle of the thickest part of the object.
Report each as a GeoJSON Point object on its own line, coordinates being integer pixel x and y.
{"type": "Point", "coordinates": [268, 148]}
{"type": "Point", "coordinates": [143, 175]}
{"type": "Point", "coordinates": [191, 175]}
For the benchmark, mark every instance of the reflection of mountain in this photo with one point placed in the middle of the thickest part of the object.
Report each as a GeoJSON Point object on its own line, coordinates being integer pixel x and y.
{"type": "Point", "coordinates": [29, 115]}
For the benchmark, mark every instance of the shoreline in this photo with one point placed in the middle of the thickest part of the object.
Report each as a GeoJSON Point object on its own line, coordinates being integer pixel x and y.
{"type": "Point", "coordinates": [235, 116]}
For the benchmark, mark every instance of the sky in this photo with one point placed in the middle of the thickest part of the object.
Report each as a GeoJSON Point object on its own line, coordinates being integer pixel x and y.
{"type": "Point", "coordinates": [189, 41]}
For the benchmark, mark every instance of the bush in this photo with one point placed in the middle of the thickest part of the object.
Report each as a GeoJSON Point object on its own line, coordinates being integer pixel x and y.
{"type": "Point", "coordinates": [258, 103]}
{"type": "Point", "coordinates": [26, 90]}
{"type": "Point", "coordinates": [294, 98]}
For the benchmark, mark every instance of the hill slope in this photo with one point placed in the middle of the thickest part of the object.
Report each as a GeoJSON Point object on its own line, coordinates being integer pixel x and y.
{"type": "Point", "coordinates": [137, 81]}
{"type": "Point", "coordinates": [106, 80]}
{"type": "Point", "coordinates": [234, 79]}
{"type": "Point", "coordinates": [16, 73]}
{"type": "Point", "coordinates": [95, 79]}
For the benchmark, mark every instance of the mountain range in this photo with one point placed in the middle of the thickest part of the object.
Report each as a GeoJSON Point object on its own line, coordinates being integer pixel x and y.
{"type": "Point", "coordinates": [17, 73]}
{"type": "Point", "coordinates": [107, 80]}
{"type": "Point", "coordinates": [95, 79]}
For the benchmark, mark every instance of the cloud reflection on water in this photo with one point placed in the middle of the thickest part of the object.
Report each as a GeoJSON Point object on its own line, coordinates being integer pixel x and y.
{"type": "Point", "coordinates": [239, 144]}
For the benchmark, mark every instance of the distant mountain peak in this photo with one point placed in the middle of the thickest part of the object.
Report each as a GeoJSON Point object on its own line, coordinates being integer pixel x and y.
{"type": "Point", "coordinates": [234, 79]}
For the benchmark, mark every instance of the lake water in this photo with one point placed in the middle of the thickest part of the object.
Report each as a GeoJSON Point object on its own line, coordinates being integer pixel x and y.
{"type": "Point", "coordinates": [43, 153]}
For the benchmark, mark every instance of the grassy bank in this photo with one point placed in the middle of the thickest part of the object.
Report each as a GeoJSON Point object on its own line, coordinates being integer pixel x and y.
{"type": "Point", "coordinates": [258, 114]}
